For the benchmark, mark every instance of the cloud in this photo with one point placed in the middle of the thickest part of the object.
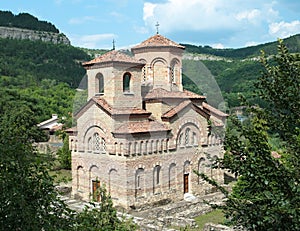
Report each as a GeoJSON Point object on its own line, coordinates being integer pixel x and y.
{"type": "Point", "coordinates": [250, 15]}
{"type": "Point", "coordinates": [284, 29]}
{"type": "Point", "coordinates": [95, 41]}
{"type": "Point", "coordinates": [217, 45]}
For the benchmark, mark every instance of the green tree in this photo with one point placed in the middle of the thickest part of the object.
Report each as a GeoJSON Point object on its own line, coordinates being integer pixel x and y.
{"type": "Point", "coordinates": [28, 197]}
{"type": "Point", "coordinates": [29, 200]}
{"type": "Point", "coordinates": [266, 195]}
{"type": "Point", "coordinates": [64, 154]}
{"type": "Point", "coordinates": [102, 216]}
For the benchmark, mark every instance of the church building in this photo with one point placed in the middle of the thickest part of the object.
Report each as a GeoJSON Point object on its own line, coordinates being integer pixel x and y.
{"type": "Point", "coordinates": [140, 132]}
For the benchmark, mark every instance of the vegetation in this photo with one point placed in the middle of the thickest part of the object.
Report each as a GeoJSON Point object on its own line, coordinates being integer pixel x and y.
{"type": "Point", "coordinates": [215, 217]}
{"type": "Point", "coordinates": [293, 43]}
{"type": "Point", "coordinates": [266, 195]}
{"type": "Point", "coordinates": [64, 154]}
{"type": "Point", "coordinates": [26, 21]}
{"type": "Point", "coordinates": [29, 200]}
{"type": "Point", "coordinates": [25, 63]}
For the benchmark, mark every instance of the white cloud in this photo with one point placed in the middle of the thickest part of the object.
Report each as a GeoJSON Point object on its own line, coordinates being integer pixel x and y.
{"type": "Point", "coordinates": [229, 19]}
{"type": "Point", "coordinates": [190, 15]}
{"type": "Point", "coordinates": [148, 10]}
{"type": "Point", "coordinates": [93, 41]}
{"type": "Point", "coordinates": [284, 29]}
{"type": "Point", "coordinates": [217, 46]}
{"type": "Point", "coordinates": [249, 15]}
{"type": "Point", "coordinates": [252, 43]}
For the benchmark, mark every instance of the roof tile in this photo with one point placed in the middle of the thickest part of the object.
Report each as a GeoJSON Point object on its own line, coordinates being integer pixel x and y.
{"type": "Point", "coordinates": [141, 127]}
{"type": "Point", "coordinates": [158, 41]}
{"type": "Point", "coordinates": [160, 93]}
{"type": "Point", "coordinates": [113, 56]}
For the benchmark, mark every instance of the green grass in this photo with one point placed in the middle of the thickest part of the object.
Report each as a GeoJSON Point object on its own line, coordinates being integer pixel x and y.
{"type": "Point", "coordinates": [215, 216]}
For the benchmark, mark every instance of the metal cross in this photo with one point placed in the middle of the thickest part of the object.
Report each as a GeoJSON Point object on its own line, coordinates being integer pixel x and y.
{"type": "Point", "coordinates": [157, 26]}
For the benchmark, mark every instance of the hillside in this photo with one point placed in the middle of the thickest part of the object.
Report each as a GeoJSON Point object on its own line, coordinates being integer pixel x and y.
{"type": "Point", "coordinates": [293, 43]}
{"type": "Point", "coordinates": [25, 21]}
{"type": "Point", "coordinates": [26, 26]}
{"type": "Point", "coordinates": [43, 75]}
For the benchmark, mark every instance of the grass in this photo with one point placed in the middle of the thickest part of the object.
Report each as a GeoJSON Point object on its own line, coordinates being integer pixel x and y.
{"type": "Point", "coordinates": [215, 216]}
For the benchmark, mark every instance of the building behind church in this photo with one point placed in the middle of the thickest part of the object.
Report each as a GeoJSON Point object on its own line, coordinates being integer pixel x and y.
{"type": "Point", "coordinates": [140, 133]}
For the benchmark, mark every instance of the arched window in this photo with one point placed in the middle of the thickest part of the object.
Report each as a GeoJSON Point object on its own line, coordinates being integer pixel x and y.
{"type": "Point", "coordinates": [139, 182]}
{"type": "Point", "coordinates": [126, 82]}
{"type": "Point", "coordinates": [144, 74]}
{"type": "Point", "coordinates": [103, 145]}
{"type": "Point", "coordinates": [96, 140]}
{"type": "Point", "coordinates": [98, 143]}
{"type": "Point", "coordinates": [172, 176]}
{"type": "Point", "coordinates": [157, 175]}
{"type": "Point", "coordinates": [172, 74]}
{"type": "Point", "coordinates": [187, 136]}
{"type": "Point", "coordinates": [99, 84]}
{"type": "Point", "coordinates": [90, 144]}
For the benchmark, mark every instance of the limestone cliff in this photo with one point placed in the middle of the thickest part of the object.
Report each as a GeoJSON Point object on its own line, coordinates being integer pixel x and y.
{"type": "Point", "coordinates": [18, 33]}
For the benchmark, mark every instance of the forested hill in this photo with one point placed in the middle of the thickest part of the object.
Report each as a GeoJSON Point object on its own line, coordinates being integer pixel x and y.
{"type": "Point", "coordinates": [293, 43]}
{"type": "Point", "coordinates": [25, 21]}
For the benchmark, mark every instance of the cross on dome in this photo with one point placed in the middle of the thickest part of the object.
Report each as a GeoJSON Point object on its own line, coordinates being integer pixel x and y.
{"type": "Point", "coordinates": [157, 26]}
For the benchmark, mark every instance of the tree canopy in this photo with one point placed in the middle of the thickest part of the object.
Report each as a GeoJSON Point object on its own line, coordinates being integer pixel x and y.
{"type": "Point", "coordinates": [266, 195]}
{"type": "Point", "coordinates": [26, 21]}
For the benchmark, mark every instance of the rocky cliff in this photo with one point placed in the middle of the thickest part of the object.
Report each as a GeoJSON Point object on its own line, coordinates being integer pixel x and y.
{"type": "Point", "coordinates": [18, 33]}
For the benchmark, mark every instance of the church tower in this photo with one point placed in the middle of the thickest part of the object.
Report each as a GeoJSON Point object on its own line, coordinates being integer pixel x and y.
{"type": "Point", "coordinates": [116, 78]}
{"type": "Point", "coordinates": [163, 63]}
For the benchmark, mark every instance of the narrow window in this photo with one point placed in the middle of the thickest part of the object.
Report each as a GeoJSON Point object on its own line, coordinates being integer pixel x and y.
{"type": "Point", "coordinates": [144, 74]}
{"type": "Point", "coordinates": [187, 136]}
{"type": "Point", "coordinates": [157, 174]}
{"type": "Point", "coordinates": [103, 145]}
{"type": "Point", "coordinates": [99, 84]}
{"type": "Point", "coordinates": [90, 144]}
{"type": "Point", "coordinates": [96, 140]}
{"type": "Point", "coordinates": [126, 82]}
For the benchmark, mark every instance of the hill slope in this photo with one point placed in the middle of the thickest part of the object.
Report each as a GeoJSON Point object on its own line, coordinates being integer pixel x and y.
{"type": "Point", "coordinates": [293, 43]}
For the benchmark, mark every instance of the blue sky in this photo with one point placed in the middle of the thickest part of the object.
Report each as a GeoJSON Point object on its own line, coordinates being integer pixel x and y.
{"type": "Point", "coordinates": [218, 23]}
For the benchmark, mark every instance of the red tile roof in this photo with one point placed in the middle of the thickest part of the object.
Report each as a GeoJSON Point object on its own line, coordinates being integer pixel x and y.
{"type": "Point", "coordinates": [119, 111]}
{"type": "Point", "coordinates": [141, 127]}
{"type": "Point", "coordinates": [102, 103]}
{"type": "Point", "coordinates": [214, 110]}
{"type": "Point", "coordinates": [113, 56]}
{"type": "Point", "coordinates": [158, 41]}
{"type": "Point", "coordinates": [176, 109]}
{"type": "Point", "coordinates": [160, 93]}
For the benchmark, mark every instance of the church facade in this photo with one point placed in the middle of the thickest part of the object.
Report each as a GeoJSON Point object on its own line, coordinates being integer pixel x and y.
{"type": "Point", "coordinates": [140, 133]}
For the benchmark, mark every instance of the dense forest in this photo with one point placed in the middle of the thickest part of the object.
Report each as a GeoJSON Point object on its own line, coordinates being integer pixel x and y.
{"type": "Point", "coordinates": [25, 21]}
{"type": "Point", "coordinates": [44, 74]}
{"type": "Point", "coordinates": [292, 43]}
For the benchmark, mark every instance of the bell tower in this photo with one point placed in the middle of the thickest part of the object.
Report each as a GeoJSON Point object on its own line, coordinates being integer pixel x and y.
{"type": "Point", "coordinates": [115, 77]}
{"type": "Point", "coordinates": [163, 63]}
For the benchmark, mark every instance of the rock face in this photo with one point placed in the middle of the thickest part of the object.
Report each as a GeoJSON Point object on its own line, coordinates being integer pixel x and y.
{"type": "Point", "coordinates": [18, 33]}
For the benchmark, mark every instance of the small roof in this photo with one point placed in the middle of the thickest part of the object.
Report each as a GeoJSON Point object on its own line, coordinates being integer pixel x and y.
{"type": "Point", "coordinates": [113, 56]}
{"type": "Point", "coordinates": [175, 110]}
{"type": "Point", "coordinates": [158, 41]}
{"type": "Point", "coordinates": [213, 110]}
{"type": "Point", "coordinates": [102, 103]}
{"type": "Point", "coordinates": [141, 127]}
{"type": "Point", "coordinates": [160, 93]}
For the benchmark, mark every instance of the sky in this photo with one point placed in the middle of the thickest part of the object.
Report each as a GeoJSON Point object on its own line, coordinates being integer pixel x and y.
{"type": "Point", "coordinates": [217, 23]}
